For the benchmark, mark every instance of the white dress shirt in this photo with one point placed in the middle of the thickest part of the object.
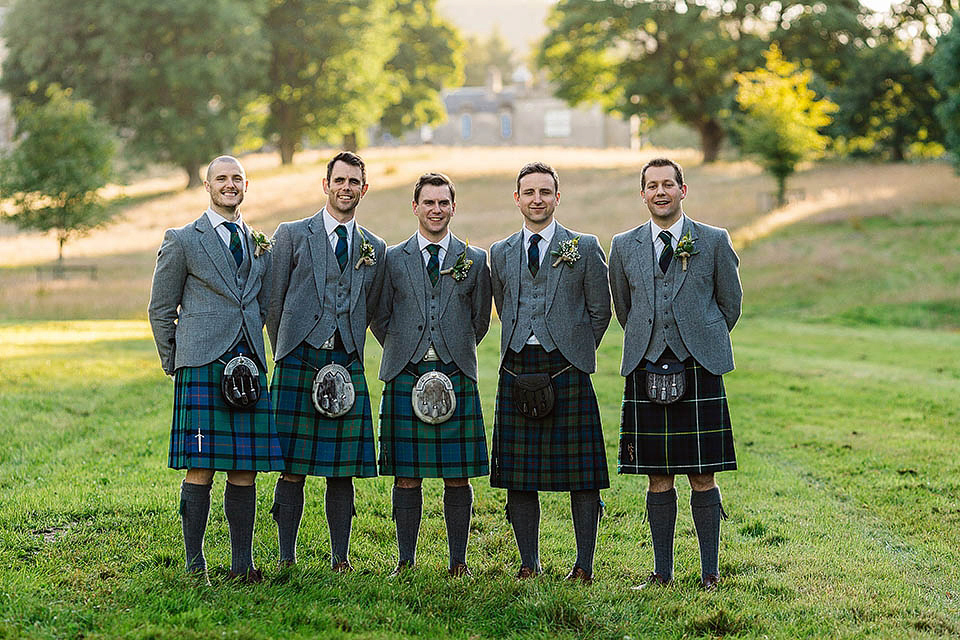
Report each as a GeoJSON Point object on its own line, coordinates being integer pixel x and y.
{"type": "Point", "coordinates": [217, 220]}
{"type": "Point", "coordinates": [444, 245]}
{"type": "Point", "coordinates": [675, 230]}
{"type": "Point", "coordinates": [330, 225]}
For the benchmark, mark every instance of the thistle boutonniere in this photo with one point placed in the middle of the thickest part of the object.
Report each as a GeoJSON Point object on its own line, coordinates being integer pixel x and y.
{"type": "Point", "coordinates": [367, 255]}
{"type": "Point", "coordinates": [685, 249]}
{"type": "Point", "coordinates": [261, 242]}
{"type": "Point", "coordinates": [460, 269]}
{"type": "Point", "coordinates": [567, 251]}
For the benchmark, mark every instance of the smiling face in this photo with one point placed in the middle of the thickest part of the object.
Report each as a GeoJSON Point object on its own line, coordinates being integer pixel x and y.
{"type": "Point", "coordinates": [434, 209]}
{"type": "Point", "coordinates": [663, 195]}
{"type": "Point", "coordinates": [344, 190]}
{"type": "Point", "coordinates": [537, 199]}
{"type": "Point", "coordinates": [226, 183]}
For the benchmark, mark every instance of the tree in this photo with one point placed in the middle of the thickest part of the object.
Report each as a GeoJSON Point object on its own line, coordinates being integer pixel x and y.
{"type": "Point", "coordinates": [493, 53]}
{"type": "Point", "coordinates": [62, 157]}
{"type": "Point", "coordinates": [946, 71]}
{"type": "Point", "coordinates": [172, 75]}
{"type": "Point", "coordinates": [429, 57]}
{"type": "Point", "coordinates": [327, 73]}
{"type": "Point", "coordinates": [783, 117]}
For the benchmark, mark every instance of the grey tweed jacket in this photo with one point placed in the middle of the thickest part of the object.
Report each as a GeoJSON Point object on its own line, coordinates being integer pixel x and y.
{"type": "Point", "coordinates": [578, 296]}
{"type": "Point", "coordinates": [197, 309]}
{"type": "Point", "coordinates": [298, 280]}
{"type": "Point", "coordinates": [401, 316]}
{"type": "Point", "coordinates": [706, 297]}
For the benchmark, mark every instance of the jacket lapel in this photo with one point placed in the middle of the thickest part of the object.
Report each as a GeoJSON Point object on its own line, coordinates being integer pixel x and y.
{"type": "Point", "coordinates": [447, 283]}
{"type": "Point", "coordinates": [681, 275]}
{"type": "Point", "coordinates": [256, 264]}
{"type": "Point", "coordinates": [643, 259]}
{"type": "Point", "coordinates": [213, 245]}
{"type": "Point", "coordinates": [357, 275]}
{"type": "Point", "coordinates": [317, 240]}
{"type": "Point", "coordinates": [554, 273]}
{"type": "Point", "coordinates": [515, 249]}
{"type": "Point", "coordinates": [413, 266]}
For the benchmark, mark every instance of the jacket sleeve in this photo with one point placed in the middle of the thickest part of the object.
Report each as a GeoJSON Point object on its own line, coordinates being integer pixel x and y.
{"type": "Point", "coordinates": [619, 285]}
{"type": "Point", "coordinates": [729, 292]}
{"type": "Point", "coordinates": [165, 295]}
{"type": "Point", "coordinates": [597, 290]}
{"type": "Point", "coordinates": [278, 281]}
{"type": "Point", "coordinates": [482, 299]}
{"type": "Point", "coordinates": [376, 286]}
{"type": "Point", "coordinates": [382, 305]}
{"type": "Point", "coordinates": [496, 281]}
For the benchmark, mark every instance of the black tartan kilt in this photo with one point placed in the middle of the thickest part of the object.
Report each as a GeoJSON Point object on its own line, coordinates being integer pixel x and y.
{"type": "Point", "coordinates": [691, 436]}
{"type": "Point", "coordinates": [562, 452]}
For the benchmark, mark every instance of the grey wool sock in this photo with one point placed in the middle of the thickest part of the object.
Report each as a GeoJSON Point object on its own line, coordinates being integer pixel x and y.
{"type": "Point", "coordinates": [523, 512]}
{"type": "Point", "coordinates": [407, 512]}
{"type": "Point", "coordinates": [194, 511]}
{"type": "Point", "coordinates": [338, 504]}
{"type": "Point", "coordinates": [457, 509]}
{"type": "Point", "coordinates": [585, 506]}
{"type": "Point", "coordinates": [707, 514]}
{"type": "Point", "coordinates": [287, 511]}
{"type": "Point", "coordinates": [240, 507]}
{"type": "Point", "coordinates": [662, 514]}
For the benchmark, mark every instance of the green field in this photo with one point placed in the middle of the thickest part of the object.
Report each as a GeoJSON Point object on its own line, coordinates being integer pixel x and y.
{"type": "Point", "coordinates": [844, 515]}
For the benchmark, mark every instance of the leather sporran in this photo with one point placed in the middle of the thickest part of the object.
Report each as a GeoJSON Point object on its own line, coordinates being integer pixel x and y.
{"type": "Point", "coordinates": [665, 382]}
{"type": "Point", "coordinates": [433, 398]}
{"type": "Point", "coordinates": [533, 394]}
{"type": "Point", "coordinates": [333, 393]}
{"type": "Point", "coordinates": [240, 383]}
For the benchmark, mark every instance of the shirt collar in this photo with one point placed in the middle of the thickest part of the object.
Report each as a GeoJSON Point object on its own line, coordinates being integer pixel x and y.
{"type": "Point", "coordinates": [545, 233]}
{"type": "Point", "coordinates": [216, 219]}
{"type": "Point", "coordinates": [330, 223]}
{"type": "Point", "coordinates": [423, 242]}
{"type": "Point", "coordinates": [676, 229]}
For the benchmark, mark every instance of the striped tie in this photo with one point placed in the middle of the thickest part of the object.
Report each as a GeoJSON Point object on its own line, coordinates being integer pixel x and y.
{"type": "Point", "coordinates": [433, 264]}
{"type": "Point", "coordinates": [533, 254]}
{"type": "Point", "coordinates": [667, 254]}
{"type": "Point", "coordinates": [236, 247]}
{"type": "Point", "coordinates": [341, 249]}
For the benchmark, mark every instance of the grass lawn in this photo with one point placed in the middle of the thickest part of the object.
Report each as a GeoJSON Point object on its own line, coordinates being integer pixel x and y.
{"type": "Point", "coordinates": [844, 515]}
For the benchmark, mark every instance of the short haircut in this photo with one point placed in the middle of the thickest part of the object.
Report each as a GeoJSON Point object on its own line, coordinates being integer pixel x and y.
{"type": "Point", "coordinates": [660, 162]}
{"type": "Point", "coordinates": [350, 158]}
{"type": "Point", "coordinates": [224, 159]}
{"type": "Point", "coordinates": [539, 167]}
{"type": "Point", "coordinates": [437, 180]}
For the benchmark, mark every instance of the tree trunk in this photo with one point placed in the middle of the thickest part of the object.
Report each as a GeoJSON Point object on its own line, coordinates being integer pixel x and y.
{"type": "Point", "coordinates": [711, 137]}
{"type": "Point", "coordinates": [350, 141]}
{"type": "Point", "coordinates": [193, 174]}
{"type": "Point", "coordinates": [781, 191]}
{"type": "Point", "coordinates": [58, 272]}
{"type": "Point", "coordinates": [287, 148]}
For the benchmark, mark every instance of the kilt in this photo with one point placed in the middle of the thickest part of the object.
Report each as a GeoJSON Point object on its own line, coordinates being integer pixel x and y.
{"type": "Point", "coordinates": [229, 440]}
{"type": "Point", "coordinates": [562, 452]}
{"type": "Point", "coordinates": [411, 448]}
{"type": "Point", "coordinates": [692, 435]}
{"type": "Point", "coordinates": [313, 444]}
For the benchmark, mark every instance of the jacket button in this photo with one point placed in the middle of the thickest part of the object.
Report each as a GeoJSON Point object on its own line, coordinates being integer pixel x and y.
{"type": "Point", "coordinates": [420, 328]}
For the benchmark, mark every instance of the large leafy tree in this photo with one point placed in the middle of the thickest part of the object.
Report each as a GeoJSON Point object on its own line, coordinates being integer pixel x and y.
{"type": "Point", "coordinates": [327, 74]}
{"type": "Point", "coordinates": [946, 70]}
{"type": "Point", "coordinates": [62, 156]}
{"type": "Point", "coordinates": [172, 75]}
{"type": "Point", "coordinates": [429, 57]}
{"type": "Point", "coordinates": [783, 117]}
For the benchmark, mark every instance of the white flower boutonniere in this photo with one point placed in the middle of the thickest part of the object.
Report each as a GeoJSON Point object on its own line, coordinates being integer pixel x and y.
{"type": "Point", "coordinates": [567, 252]}
{"type": "Point", "coordinates": [461, 268]}
{"type": "Point", "coordinates": [685, 249]}
{"type": "Point", "coordinates": [367, 255]}
{"type": "Point", "coordinates": [261, 241]}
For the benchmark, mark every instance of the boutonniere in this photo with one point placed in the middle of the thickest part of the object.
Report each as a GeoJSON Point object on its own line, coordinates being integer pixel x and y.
{"type": "Point", "coordinates": [461, 268]}
{"type": "Point", "coordinates": [567, 251]}
{"type": "Point", "coordinates": [367, 255]}
{"type": "Point", "coordinates": [685, 249]}
{"type": "Point", "coordinates": [262, 242]}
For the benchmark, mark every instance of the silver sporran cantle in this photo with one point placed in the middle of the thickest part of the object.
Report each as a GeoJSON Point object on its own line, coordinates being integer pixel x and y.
{"type": "Point", "coordinates": [433, 398]}
{"type": "Point", "coordinates": [240, 383]}
{"type": "Point", "coordinates": [333, 393]}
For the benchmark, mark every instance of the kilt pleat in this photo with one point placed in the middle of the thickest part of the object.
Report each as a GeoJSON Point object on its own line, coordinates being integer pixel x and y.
{"type": "Point", "coordinates": [693, 435]}
{"type": "Point", "coordinates": [562, 452]}
{"type": "Point", "coordinates": [206, 434]}
{"type": "Point", "coordinates": [411, 448]}
{"type": "Point", "coordinates": [313, 444]}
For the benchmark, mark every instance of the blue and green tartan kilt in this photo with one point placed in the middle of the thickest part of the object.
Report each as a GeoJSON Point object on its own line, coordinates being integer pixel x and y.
{"type": "Point", "coordinates": [313, 444]}
{"type": "Point", "coordinates": [562, 452]}
{"type": "Point", "coordinates": [411, 448]}
{"type": "Point", "coordinates": [690, 436]}
{"type": "Point", "coordinates": [206, 434]}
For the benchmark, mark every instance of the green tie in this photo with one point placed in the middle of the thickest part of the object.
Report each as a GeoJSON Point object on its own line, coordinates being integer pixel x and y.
{"type": "Point", "coordinates": [341, 250]}
{"type": "Point", "coordinates": [667, 254]}
{"type": "Point", "coordinates": [433, 264]}
{"type": "Point", "coordinates": [533, 254]}
{"type": "Point", "coordinates": [235, 247]}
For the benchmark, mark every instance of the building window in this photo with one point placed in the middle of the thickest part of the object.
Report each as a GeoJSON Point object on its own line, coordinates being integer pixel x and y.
{"type": "Point", "coordinates": [506, 126]}
{"type": "Point", "coordinates": [466, 126]}
{"type": "Point", "coordinates": [556, 123]}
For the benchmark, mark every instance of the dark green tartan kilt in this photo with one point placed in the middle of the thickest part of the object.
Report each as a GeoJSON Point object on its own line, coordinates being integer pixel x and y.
{"type": "Point", "coordinates": [228, 440]}
{"type": "Point", "coordinates": [313, 444]}
{"type": "Point", "coordinates": [691, 436]}
{"type": "Point", "coordinates": [562, 452]}
{"type": "Point", "coordinates": [411, 448]}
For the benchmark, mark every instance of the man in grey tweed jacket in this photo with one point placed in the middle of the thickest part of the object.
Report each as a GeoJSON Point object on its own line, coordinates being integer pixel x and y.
{"type": "Point", "coordinates": [677, 294]}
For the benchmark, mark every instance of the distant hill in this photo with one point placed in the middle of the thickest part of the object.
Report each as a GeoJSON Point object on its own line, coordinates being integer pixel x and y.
{"type": "Point", "coordinates": [521, 22]}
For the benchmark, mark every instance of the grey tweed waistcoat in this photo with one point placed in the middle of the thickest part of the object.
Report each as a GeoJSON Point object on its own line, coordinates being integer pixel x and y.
{"type": "Point", "coordinates": [532, 309]}
{"type": "Point", "coordinates": [665, 333]}
{"type": "Point", "coordinates": [336, 305]}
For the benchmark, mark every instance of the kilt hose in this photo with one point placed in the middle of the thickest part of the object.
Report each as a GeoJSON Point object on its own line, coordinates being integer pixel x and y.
{"type": "Point", "coordinates": [206, 434]}
{"type": "Point", "coordinates": [313, 444]}
{"type": "Point", "coordinates": [561, 452]}
{"type": "Point", "coordinates": [411, 448]}
{"type": "Point", "coordinates": [690, 436]}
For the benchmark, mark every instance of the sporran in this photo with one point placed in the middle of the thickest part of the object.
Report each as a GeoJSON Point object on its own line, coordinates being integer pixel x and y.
{"type": "Point", "coordinates": [333, 393]}
{"type": "Point", "coordinates": [665, 382]}
{"type": "Point", "coordinates": [533, 394]}
{"type": "Point", "coordinates": [240, 383]}
{"type": "Point", "coordinates": [433, 398]}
